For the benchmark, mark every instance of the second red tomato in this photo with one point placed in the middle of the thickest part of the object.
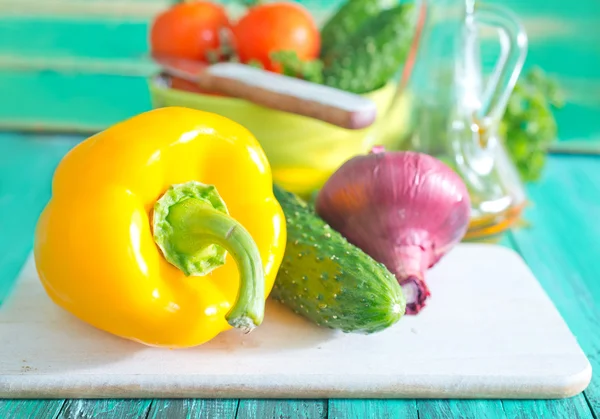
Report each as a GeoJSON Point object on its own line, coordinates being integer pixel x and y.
{"type": "Point", "coordinates": [276, 27]}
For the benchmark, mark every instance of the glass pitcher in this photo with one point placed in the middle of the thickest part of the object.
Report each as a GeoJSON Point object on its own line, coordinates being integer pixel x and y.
{"type": "Point", "coordinates": [455, 116]}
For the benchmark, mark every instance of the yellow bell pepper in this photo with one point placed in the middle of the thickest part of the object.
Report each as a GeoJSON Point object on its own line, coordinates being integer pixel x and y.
{"type": "Point", "coordinates": [163, 229]}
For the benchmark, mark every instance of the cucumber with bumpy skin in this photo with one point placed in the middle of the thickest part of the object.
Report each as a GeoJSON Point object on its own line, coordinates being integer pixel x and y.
{"type": "Point", "coordinates": [374, 54]}
{"type": "Point", "coordinates": [346, 21]}
{"type": "Point", "coordinates": [330, 281]}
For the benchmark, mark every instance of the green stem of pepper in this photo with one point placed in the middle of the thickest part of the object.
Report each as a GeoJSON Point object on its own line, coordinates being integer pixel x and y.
{"type": "Point", "coordinates": [194, 232]}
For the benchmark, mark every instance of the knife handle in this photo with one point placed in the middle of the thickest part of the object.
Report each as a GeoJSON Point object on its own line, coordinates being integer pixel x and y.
{"type": "Point", "coordinates": [289, 94]}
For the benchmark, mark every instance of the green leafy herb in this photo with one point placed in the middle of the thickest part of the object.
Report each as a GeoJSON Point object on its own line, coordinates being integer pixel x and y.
{"type": "Point", "coordinates": [293, 66]}
{"type": "Point", "coordinates": [528, 125]}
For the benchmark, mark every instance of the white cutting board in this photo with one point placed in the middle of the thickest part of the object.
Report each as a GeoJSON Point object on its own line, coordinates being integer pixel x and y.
{"type": "Point", "coordinates": [489, 330]}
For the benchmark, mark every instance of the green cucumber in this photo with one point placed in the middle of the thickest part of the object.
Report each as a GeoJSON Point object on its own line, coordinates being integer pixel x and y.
{"type": "Point", "coordinates": [374, 54]}
{"type": "Point", "coordinates": [346, 21]}
{"type": "Point", "coordinates": [328, 280]}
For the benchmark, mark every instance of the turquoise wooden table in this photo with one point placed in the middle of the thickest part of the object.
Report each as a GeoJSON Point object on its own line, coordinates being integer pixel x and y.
{"type": "Point", "coordinates": [560, 245]}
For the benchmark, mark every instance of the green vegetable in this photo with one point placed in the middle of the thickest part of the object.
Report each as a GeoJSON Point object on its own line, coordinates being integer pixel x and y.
{"type": "Point", "coordinates": [294, 67]}
{"type": "Point", "coordinates": [347, 21]}
{"type": "Point", "coordinates": [528, 125]}
{"type": "Point", "coordinates": [374, 54]}
{"type": "Point", "coordinates": [329, 281]}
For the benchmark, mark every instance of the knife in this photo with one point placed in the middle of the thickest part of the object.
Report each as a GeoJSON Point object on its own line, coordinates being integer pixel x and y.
{"type": "Point", "coordinates": [275, 91]}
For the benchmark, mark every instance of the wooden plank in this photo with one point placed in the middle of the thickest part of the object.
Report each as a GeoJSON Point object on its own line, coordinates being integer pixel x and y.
{"type": "Point", "coordinates": [105, 409]}
{"type": "Point", "coordinates": [50, 98]}
{"type": "Point", "coordinates": [562, 248]}
{"type": "Point", "coordinates": [33, 126]}
{"type": "Point", "coordinates": [29, 163]}
{"type": "Point", "coordinates": [193, 408]}
{"type": "Point", "coordinates": [464, 409]}
{"type": "Point", "coordinates": [30, 409]}
{"type": "Point", "coordinates": [380, 409]}
{"type": "Point", "coordinates": [120, 9]}
{"type": "Point", "coordinates": [124, 9]}
{"type": "Point", "coordinates": [142, 67]}
{"type": "Point", "coordinates": [148, 7]}
{"type": "Point", "coordinates": [574, 408]}
{"type": "Point", "coordinates": [59, 36]}
{"type": "Point", "coordinates": [288, 409]}
{"type": "Point", "coordinates": [576, 147]}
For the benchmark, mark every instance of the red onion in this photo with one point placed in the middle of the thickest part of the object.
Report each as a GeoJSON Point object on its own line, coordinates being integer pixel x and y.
{"type": "Point", "coordinates": [405, 209]}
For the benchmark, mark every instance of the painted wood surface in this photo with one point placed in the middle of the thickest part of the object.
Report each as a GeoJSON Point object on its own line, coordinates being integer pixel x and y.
{"type": "Point", "coordinates": [560, 246]}
{"type": "Point", "coordinates": [32, 409]}
{"type": "Point", "coordinates": [358, 409]}
{"type": "Point", "coordinates": [105, 409]}
{"type": "Point", "coordinates": [190, 408]}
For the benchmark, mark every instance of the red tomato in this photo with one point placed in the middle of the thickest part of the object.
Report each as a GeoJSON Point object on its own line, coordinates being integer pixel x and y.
{"type": "Point", "coordinates": [188, 30]}
{"type": "Point", "coordinates": [273, 27]}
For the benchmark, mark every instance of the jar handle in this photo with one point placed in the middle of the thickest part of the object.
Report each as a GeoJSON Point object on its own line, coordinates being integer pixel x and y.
{"type": "Point", "coordinates": [513, 43]}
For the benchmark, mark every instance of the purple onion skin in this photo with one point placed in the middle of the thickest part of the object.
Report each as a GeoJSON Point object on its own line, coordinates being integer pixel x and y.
{"type": "Point", "coordinates": [404, 209]}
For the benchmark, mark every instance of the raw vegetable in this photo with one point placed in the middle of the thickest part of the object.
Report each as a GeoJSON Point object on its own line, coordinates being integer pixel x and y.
{"type": "Point", "coordinates": [405, 209]}
{"type": "Point", "coordinates": [346, 21]}
{"type": "Point", "coordinates": [272, 27]}
{"type": "Point", "coordinates": [143, 211]}
{"type": "Point", "coordinates": [374, 54]}
{"type": "Point", "coordinates": [528, 126]}
{"type": "Point", "coordinates": [189, 30]}
{"type": "Point", "coordinates": [329, 281]}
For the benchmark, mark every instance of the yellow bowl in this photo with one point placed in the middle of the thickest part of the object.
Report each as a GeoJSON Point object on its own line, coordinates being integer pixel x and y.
{"type": "Point", "coordinates": [303, 152]}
